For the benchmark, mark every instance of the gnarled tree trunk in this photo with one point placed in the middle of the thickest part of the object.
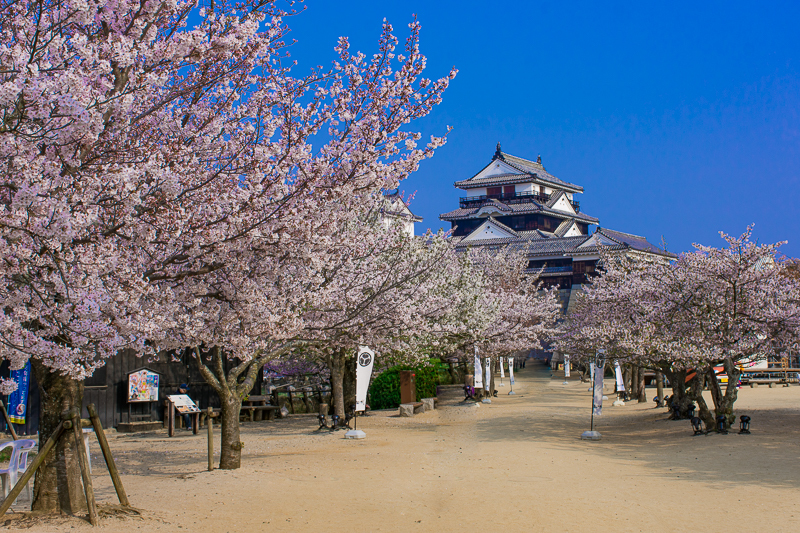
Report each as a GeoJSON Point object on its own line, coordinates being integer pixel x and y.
{"type": "Point", "coordinates": [660, 389]}
{"type": "Point", "coordinates": [723, 402]}
{"type": "Point", "coordinates": [696, 393]}
{"type": "Point", "coordinates": [336, 366]}
{"type": "Point", "coordinates": [641, 394]}
{"type": "Point", "coordinates": [680, 399]}
{"type": "Point", "coordinates": [58, 486]}
{"type": "Point", "coordinates": [230, 453]}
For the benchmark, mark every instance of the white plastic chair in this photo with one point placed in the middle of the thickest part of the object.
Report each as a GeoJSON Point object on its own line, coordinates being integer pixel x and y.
{"type": "Point", "coordinates": [17, 465]}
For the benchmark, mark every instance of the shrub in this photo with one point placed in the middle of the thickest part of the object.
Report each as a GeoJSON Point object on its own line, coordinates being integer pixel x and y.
{"type": "Point", "coordinates": [384, 393]}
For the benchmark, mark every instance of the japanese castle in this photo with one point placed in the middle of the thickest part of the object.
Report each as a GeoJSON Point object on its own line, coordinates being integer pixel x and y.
{"type": "Point", "coordinates": [515, 201]}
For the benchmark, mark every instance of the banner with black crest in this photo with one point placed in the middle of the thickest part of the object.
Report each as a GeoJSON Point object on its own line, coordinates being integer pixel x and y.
{"type": "Point", "coordinates": [364, 361]}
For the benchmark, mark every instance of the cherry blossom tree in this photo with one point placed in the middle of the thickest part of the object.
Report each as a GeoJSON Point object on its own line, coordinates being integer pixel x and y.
{"type": "Point", "coordinates": [713, 307]}
{"type": "Point", "coordinates": [160, 172]}
{"type": "Point", "coordinates": [523, 314]}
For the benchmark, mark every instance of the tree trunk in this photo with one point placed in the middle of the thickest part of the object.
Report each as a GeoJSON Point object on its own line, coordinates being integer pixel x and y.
{"type": "Point", "coordinates": [336, 366]}
{"type": "Point", "coordinates": [626, 379]}
{"type": "Point", "coordinates": [230, 401]}
{"type": "Point", "coordinates": [680, 399]}
{"type": "Point", "coordinates": [723, 403]}
{"type": "Point", "coordinates": [641, 393]}
{"type": "Point", "coordinates": [230, 452]}
{"type": "Point", "coordinates": [57, 487]}
{"type": "Point", "coordinates": [697, 395]}
{"type": "Point", "coordinates": [349, 383]}
{"type": "Point", "coordinates": [660, 389]}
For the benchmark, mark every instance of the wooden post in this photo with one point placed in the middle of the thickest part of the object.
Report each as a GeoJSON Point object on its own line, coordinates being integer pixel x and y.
{"type": "Point", "coordinates": [209, 413]}
{"type": "Point", "coordinates": [32, 468]}
{"type": "Point", "coordinates": [112, 466]}
{"type": "Point", "coordinates": [291, 402]}
{"type": "Point", "coordinates": [84, 463]}
{"type": "Point", "coordinates": [170, 419]}
{"type": "Point", "coordinates": [8, 421]}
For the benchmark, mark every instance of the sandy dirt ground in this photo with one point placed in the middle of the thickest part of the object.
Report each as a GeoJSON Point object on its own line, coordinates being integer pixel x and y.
{"type": "Point", "coordinates": [517, 464]}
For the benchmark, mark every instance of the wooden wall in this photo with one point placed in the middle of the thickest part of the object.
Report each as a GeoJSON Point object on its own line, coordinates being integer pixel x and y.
{"type": "Point", "coordinates": [108, 389]}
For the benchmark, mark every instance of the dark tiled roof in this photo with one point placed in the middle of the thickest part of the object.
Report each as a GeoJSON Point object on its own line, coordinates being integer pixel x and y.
{"type": "Point", "coordinates": [634, 241]}
{"type": "Point", "coordinates": [625, 241]}
{"type": "Point", "coordinates": [517, 209]}
{"type": "Point", "coordinates": [530, 168]}
{"type": "Point", "coordinates": [564, 227]}
{"type": "Point", "coordinates": [540, 246]}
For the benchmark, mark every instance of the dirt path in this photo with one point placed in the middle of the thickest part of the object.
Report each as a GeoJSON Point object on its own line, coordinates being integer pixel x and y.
{"type": "Point", "coordinates": [515, 465]}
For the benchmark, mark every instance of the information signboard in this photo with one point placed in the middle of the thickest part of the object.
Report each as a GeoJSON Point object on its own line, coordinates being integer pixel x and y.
{"type": "Point", "coordinates": [143, 386]}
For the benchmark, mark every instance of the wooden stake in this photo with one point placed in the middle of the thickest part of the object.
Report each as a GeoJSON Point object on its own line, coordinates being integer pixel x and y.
{"type": "Point", "coordinates": [170, 419]}
{"type": "Point", "coordinates": [112, 466]}
{"type": "Point", "coordinates": [37, 462]}
{"type": "Point", "coordinates": [8, 421]}
{"type": "Point", "coordinates": [84, 463]}
{"type": "Point", "coordinates": [210, 425]}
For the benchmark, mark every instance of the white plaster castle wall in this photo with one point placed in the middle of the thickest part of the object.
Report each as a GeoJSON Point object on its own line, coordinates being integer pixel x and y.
{"type": "Point", "coordinates": [563, 205]}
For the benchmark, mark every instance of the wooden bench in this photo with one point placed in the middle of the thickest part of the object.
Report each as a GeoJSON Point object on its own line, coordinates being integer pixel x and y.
{"type": "Point", "coordinates": [763, 381]}
{"type": "Point", "coordinates": [253, 410]}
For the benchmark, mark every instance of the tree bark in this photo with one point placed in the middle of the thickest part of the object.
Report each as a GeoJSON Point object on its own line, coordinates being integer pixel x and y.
{"type": "Point", "coordinates": [680, 398]}
{"type": "Point", "coordinates": [626, 379]}
{"type": "Point", "coordinates": [230, 456]}
{"type": "Point", "coordinates": [641, 392]}
{"type": "Point", "coordinates": [660, 389]}
{"type": "Point", "coordinates": [349, 383]}
{"type": "Point", "coordinates": [57, 487]}
{"type": "Point", "coordinates": [723, 402]}
{"type": "Point", "coordinates": [697, 395]}
{"type": "Point", "coordinates": [336, 366]}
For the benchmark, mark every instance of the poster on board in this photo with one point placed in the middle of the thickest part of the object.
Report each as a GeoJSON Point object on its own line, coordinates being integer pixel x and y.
{"type": "Point", "coordinates": [143, 386]}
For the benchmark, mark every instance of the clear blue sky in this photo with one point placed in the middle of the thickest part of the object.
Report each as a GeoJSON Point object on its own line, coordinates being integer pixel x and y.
{"type": "Point", "coordinates": [679, 120]}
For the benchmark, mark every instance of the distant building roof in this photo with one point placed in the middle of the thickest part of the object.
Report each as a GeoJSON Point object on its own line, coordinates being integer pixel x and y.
{"type": "Point", "coordinates": [528, 171]}
{"type": "Point", "coordinates": [538, 243]}
{"type": "Point", "coordinates": [604, 238]}
{"type": "Point", "coordinates": [516, 209]}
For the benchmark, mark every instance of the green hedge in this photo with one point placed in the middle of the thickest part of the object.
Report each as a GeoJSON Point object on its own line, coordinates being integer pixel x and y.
{"type": "Point", "coordinates": [384, 393]}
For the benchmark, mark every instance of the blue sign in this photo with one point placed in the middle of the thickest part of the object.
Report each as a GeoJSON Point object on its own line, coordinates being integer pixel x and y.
{"type": "Point", "coordinates": [18, 400]}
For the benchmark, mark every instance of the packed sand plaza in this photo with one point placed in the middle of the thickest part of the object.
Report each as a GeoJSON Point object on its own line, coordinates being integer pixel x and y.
{"type": "Point", "coordinates": [517, 464]}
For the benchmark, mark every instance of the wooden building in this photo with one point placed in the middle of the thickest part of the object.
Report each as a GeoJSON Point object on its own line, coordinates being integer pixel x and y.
{"type": "Point", "coordinates": [108, 390]}
{"type": "Point", "coordinates": [515, 202]}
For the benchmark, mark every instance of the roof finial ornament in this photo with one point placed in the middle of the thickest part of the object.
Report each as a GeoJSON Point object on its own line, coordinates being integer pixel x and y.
{"type": "Point", "coordinates": [539, 159]}
{"type": "Point", "coordinates": [498, 154]}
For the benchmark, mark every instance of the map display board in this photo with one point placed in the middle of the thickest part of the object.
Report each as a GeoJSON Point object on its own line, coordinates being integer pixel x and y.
{"type": "Point", "coordinates": [143, 386]}
{"type": "Point", "coordinates": [183, 403]}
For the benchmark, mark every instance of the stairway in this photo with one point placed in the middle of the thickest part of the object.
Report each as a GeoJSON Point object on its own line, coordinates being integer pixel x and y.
{"type": "Point", "coordinates": [450, 394]}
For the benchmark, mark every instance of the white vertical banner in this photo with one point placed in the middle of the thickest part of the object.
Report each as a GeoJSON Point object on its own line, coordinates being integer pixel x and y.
{"type": "Point", "coordinates": [364, 361]}
{"type": "Point", "coordinates": [502, 370]}
{"type": "Point", "coordinates": [511, 370]}
{"type": "Point", "coordinates": [477, 376]}
{"type": "Point", "coordinates": [488, 381]}
{"type": "Point", "coordinates": [566, 365]}
{"type": "Point", "coordinates": [597, 401]}
{"type": "Point", "coordinates": [620, 380]}
{"type": "Point", "coordinates": [591, 371]}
